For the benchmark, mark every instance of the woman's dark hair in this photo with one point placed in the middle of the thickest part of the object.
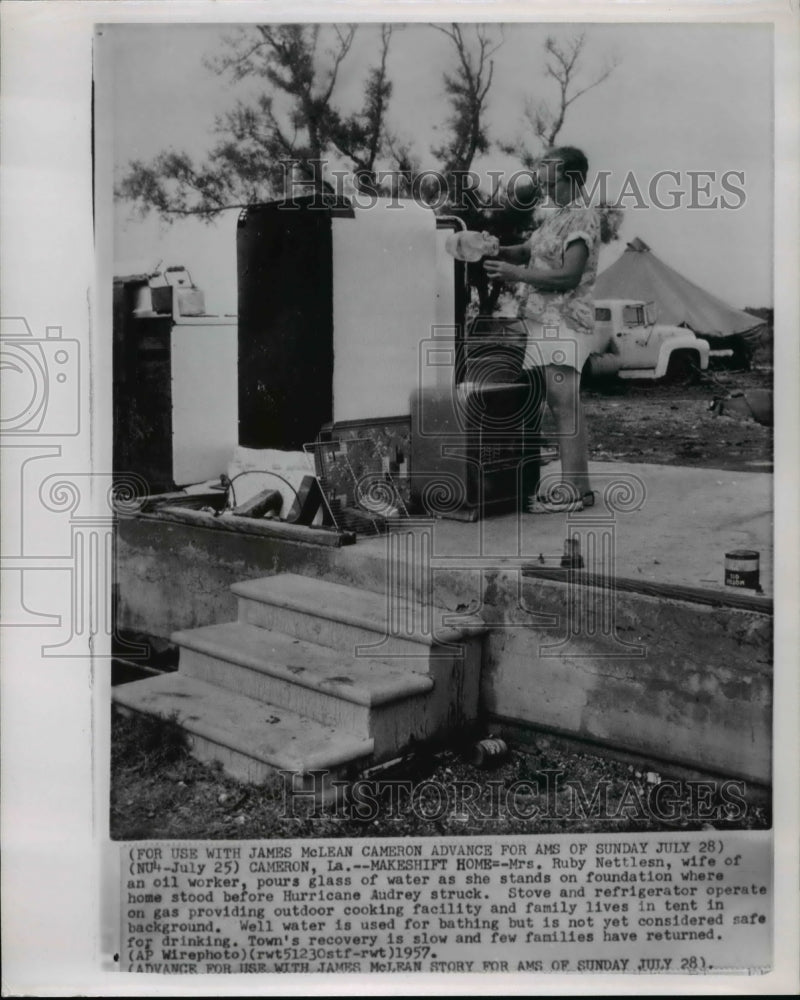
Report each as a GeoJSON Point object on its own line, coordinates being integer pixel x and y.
{"type": "Point", "coordinates": [574, 164]}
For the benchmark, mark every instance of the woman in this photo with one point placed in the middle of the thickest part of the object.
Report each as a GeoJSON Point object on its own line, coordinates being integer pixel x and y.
{"type": "Point", "coordinates": [556, 271]}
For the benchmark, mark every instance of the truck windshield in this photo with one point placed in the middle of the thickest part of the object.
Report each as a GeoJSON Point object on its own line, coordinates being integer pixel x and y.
{"type": "Point", "coordinates": [633, 315]}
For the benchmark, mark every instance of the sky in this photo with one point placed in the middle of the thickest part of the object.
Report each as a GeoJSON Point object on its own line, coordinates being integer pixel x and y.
{"type": "Point", "coordinates": [683, 97]}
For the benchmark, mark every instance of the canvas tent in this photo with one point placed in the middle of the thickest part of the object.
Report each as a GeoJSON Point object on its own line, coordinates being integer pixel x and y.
{"type": "Point", "coordinates": [639, 274]}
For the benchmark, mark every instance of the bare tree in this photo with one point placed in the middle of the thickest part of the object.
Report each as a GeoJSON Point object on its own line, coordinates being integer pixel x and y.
{"type": "Point", "coordinates": [467, 88]}
{"type": "Point", "coordinates": [295, 120]}
{"type": "Point", "coordinates": [363, 137]}
{"type": "Point", "coordinates": [285, 55]}
{"type": "Point", "coordinates": [407, 166]}
{"type": "Point", "coordinates": [563, 65]}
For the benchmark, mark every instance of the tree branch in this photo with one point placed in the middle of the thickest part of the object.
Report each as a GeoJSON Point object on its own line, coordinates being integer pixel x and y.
{"type": "Point", "coordinates": [563, 63]}
{"type": "Point", "coordinates": [468, 87]}
{"type": "Point", "coordinates": [345, 42]}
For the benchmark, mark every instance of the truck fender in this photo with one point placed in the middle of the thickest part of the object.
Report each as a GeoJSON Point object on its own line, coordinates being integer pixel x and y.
{"type": "Point", "coordinates": [686, 342]}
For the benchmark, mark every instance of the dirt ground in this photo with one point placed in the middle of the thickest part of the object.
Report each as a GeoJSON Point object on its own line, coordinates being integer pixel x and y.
{"type": "Point", "coordinates": [673, 424]}
{"type": "Point", "coordinates": [553, 786]}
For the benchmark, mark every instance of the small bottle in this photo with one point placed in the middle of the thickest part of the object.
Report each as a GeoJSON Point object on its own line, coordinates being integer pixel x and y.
{"type": "Point", "coordinates": [470, 246]}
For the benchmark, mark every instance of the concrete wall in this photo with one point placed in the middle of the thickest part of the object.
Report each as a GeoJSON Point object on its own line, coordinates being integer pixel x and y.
{"type": "Point", "coordinates": [700, 695]}
{"type": "Point", "coordinates": [172, 576]}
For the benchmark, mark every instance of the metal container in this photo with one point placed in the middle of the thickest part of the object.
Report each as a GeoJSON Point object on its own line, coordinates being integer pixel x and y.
{"type": "Point", "coordinates": [572, 558]}
{"type": "Point", "coordinates": [742, 569]}
{"type": "Point", "coordinates": [488, 753]}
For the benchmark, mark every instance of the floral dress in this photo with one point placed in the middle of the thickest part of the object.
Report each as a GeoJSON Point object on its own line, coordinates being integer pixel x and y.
{"type": "Point", "coordinates": [560, 325]}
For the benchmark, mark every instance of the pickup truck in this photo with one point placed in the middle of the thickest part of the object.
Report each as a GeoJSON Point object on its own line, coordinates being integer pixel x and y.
{"type": "Point", "coordinates": [640, 348]}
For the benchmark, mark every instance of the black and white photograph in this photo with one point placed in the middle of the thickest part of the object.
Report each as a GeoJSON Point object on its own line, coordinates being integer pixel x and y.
{"type": "Point", "coordinates": [422, 487]}
{"type": "Point", "coordinates": [454, 426]}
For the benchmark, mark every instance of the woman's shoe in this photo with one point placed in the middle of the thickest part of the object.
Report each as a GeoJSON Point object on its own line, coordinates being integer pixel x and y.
{"type": "Point", "coordinates": [560, 499]}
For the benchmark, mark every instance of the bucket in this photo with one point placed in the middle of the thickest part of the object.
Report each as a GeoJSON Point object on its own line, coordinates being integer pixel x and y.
{"type": "Point", "coordinates": [494, 351]}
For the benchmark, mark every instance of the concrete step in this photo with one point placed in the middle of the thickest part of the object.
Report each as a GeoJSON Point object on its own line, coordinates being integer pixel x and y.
{"type": "Point", "coordinates": [357, 621]}
{"type": "Point", "coordinates": [252, 740]}
{"type": "Point", "coordinates": [333, 688]}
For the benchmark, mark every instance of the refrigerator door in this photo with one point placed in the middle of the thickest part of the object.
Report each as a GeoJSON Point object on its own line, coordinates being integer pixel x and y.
{"type": "Point", "coordinates": [285, 323]}
{"type": "Point", "coordinates": [384, 307]}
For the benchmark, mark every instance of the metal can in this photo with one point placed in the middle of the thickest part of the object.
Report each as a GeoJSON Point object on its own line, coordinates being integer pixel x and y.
{"type": "Point", "coordinates": [572, 558]}
{"type": "Point", "coordinates": [488, 753]}
{"type": "Point", "coordinates": [742, 569]}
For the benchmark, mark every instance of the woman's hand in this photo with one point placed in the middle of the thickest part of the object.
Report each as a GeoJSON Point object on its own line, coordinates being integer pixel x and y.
{"type": "Point", "coordinates": [499, 270]}
{"type": "Point", "coordinates": [561, 279]}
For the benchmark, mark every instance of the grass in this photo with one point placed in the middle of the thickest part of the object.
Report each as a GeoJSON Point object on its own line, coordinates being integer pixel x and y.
{"type": "Point", "coordinates": [158, 791]}
{"type": "Point", "coordinates": [150, 743]}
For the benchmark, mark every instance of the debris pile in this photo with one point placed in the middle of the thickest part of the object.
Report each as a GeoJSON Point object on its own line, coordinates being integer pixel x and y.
{"type": "Point", "coordinates": [751, 404]}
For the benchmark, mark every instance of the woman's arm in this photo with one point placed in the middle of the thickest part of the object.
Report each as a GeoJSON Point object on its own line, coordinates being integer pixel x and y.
{"type": "Point", "coordinates": [520, 253]}
{"type": "Point", "coordinates": [562, 279]}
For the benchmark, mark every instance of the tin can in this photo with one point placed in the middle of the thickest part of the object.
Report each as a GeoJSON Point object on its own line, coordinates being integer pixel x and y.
{"type": "Point", "coordinates": [742, 569]}
{"type": "Point", "coordinates": [488, 753]}
{"type": "Point", "coordinates": [572, 558]}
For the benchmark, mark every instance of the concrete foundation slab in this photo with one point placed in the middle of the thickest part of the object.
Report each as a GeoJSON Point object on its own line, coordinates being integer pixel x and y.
{"type": "Point", "coordinates": [675, 665]}
{"type": "Point", "coordinates": [667, 525]}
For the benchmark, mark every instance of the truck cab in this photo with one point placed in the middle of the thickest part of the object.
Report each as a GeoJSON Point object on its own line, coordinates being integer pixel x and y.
{"type": "Point", "coordinates": [640, 348]}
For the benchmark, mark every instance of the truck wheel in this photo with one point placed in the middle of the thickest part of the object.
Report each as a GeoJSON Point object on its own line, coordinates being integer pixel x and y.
{"type": "Point", "coordinates": [742, 354]}
{"type": "Point", "coordinates": [600, 372]}
{"type": "Point", "coordinates": [683, 368]}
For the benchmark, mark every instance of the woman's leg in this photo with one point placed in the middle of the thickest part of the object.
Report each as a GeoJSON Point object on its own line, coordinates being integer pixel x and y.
{"type": "Point", "coordinates": [564, 400]}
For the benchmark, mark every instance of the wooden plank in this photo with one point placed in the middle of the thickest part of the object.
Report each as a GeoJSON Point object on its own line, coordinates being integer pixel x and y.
{"type": "Point", "coordinates": [257, 506]}
{"type": "Point", "coordinates": [697, 595]}
{"type": "Point", "coordinates": [250, 526]}
{"type": "Point", "coordinates": [306, 503]}
{"type": "Point", "coordinates": [180, 498]}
